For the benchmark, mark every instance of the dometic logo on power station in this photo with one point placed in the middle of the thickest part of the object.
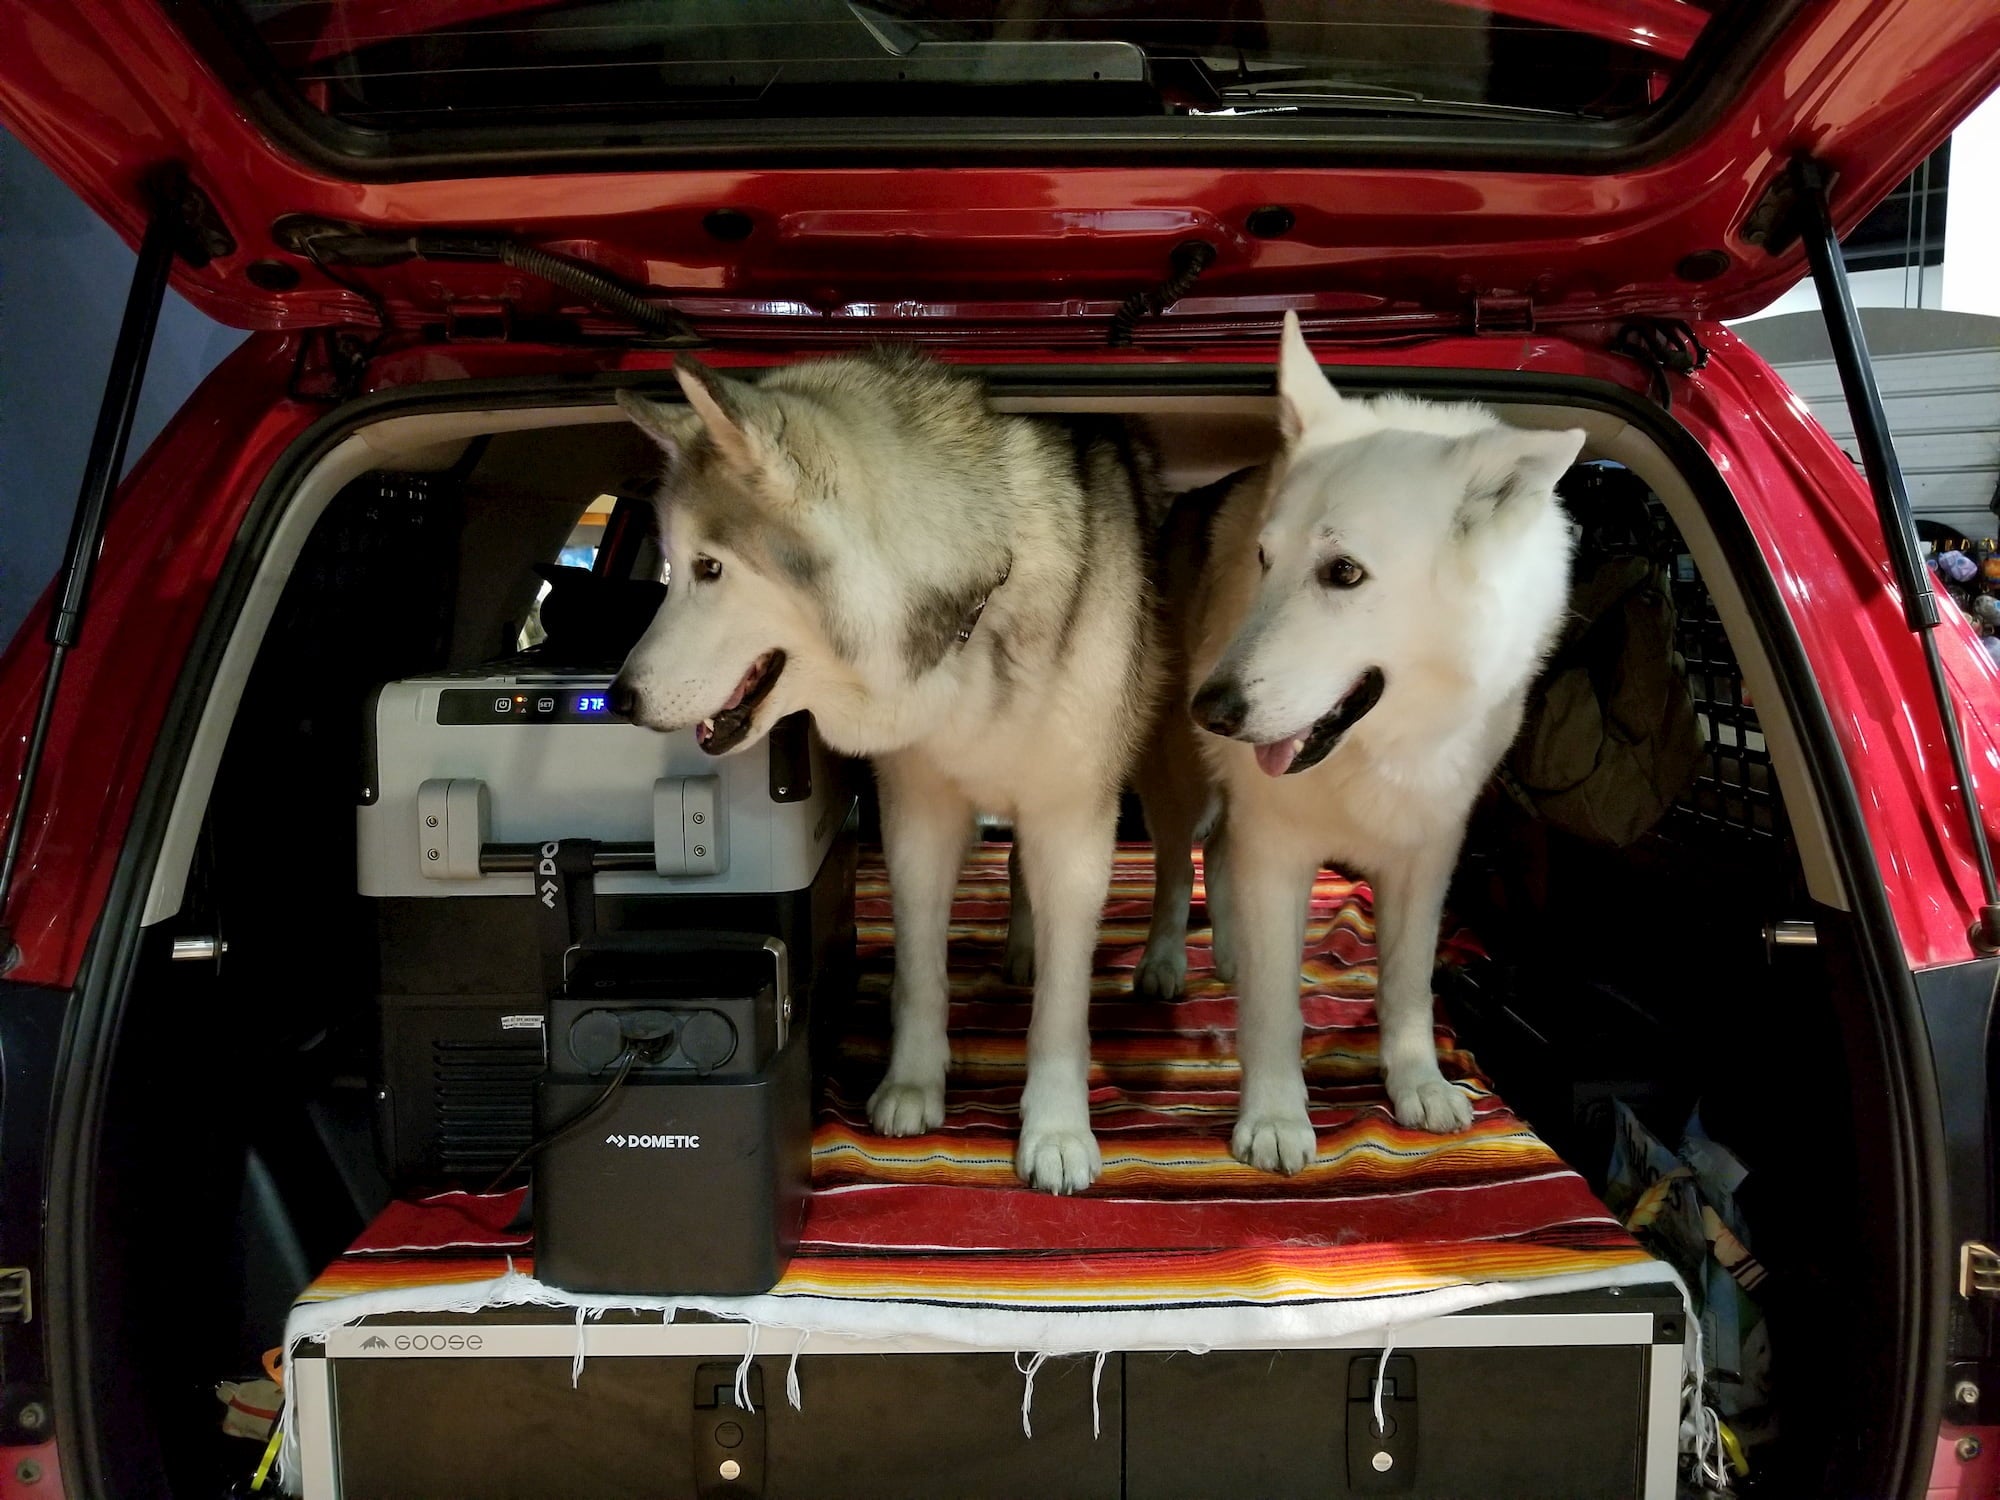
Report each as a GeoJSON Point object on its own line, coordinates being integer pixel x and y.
{"type": "Point", "coordinates": [547, 870]}
{"type": "Point", "coordinates": [654, 1142]}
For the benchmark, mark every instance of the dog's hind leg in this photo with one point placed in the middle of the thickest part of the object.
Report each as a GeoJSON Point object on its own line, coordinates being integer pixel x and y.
{"type": "Point", "coordinates": [1409, 903]}
{"type": "Point", "coordinates": [1066, 857]}
{"type": "Point", "coordinates": [926, 823]}
{"type": "Point", "coordinates": [1176, 795]}
{"type": "Point", "coordinates": [1018, 966]}
{"type": "Point", "coordinates": [1217, 897]}
{"type": "Point", "coordinates": [1270, 886]}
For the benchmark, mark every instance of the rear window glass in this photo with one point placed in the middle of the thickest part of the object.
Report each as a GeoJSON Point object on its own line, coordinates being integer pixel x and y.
{"type": "Point", "coordinates": [1217, 67]}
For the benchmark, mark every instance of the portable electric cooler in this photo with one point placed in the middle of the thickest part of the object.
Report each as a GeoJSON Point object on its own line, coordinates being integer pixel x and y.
{"type": "Point", "coordinates": [470, 778]}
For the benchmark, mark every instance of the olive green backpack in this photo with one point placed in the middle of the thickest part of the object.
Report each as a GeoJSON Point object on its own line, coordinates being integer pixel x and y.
{"type": "Point", "coordinates": [1610, 739]}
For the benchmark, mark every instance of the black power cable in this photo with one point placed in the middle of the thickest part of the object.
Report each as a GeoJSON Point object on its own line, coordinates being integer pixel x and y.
{"type": "Point", "coordinates": [597, 286]}
{"type": "Point", "coordinates": [575, 1122]}
{"type": "Point", "coordinates": [326, 242]}
{"type": "Point", "coordinates": [1189, 260]}
{"type": "Point", "coordinates": [1661, 345]}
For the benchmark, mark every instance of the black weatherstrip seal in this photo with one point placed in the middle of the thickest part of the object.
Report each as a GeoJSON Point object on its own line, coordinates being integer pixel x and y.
{"type": "Point", "coordinates": [1920, 1280]}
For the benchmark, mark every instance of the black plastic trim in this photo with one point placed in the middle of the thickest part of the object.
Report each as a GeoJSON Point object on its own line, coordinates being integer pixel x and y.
{"type": "Point", "coordinates": [1921, 1282]}
{"type": "Point", "coordinates": [1722, 60]}
{"type": "Point", "coordinates": [31, 1025]}
{"type": "Point", "coordinates": [1957, 1003]}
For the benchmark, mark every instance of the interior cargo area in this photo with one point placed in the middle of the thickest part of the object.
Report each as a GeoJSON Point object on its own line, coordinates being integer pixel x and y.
{"type": "Point", "coordinates": [1706, 965]}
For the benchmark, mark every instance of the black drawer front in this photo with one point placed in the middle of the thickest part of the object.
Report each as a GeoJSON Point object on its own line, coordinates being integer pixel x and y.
{"type": "Point", "coordinates": [1495, 1424]}
{"type": "Point", "coordinates": [874, 1427]}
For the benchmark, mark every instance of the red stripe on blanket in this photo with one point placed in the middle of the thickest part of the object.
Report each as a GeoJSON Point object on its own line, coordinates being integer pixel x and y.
{"type": "Point", "coordinates": [898, 1218]}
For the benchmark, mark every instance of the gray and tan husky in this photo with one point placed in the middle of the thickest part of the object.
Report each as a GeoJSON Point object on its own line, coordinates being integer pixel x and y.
{"type": "Point", "coordinates": [959, 595]}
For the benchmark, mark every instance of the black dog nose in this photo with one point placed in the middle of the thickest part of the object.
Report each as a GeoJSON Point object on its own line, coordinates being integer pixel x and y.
{"type": "Point", "coordinates": [623, 699]}
{"type": "Point", "coordinates": [1220, 707]}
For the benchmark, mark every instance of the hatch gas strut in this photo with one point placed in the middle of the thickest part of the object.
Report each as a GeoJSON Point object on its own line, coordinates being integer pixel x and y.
{"type": "Point", "coordinates": [184, 223]}
{"type": "Point", "coordinates": [1811, 183]}
{"type": "Point", "coordinates": [326, 242]}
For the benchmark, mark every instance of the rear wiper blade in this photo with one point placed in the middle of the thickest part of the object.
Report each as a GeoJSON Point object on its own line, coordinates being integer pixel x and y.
{"type": "Point", "coordinates": [1308, 91]}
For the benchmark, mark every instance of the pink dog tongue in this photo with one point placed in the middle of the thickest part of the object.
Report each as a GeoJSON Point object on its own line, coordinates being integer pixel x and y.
{"type": "Point", "coordinates": [1276, 758]}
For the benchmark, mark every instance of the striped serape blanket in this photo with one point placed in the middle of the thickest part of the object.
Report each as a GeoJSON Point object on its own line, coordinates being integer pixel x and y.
{"type": "Point", "coordinates": [1177, 1246]}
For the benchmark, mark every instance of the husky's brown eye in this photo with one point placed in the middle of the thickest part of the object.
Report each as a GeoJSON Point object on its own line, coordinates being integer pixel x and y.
{"type": "Point", "coordinates": [1341, 573]}
{"type": "Point", "coordinates": [706, 568]}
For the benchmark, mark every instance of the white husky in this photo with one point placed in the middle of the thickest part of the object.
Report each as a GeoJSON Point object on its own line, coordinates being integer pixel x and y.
{"type": "Point", "coordinates": [963, 597]}
{"type": "Point", "coordinates": [1374, 607]}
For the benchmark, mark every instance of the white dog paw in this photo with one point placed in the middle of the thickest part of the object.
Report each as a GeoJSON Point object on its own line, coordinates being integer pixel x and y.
{"type": "Point", "coordinates": [1161, 976]}
{"type": "Point", "coordinates": [1062, 1159]}
{"type": "Point", "coordinates": [1276, 1140]}
{"type": "Point", "coordinates": [897, 1109]}
{"type": "Point", "coordinates": [1432, 1105]}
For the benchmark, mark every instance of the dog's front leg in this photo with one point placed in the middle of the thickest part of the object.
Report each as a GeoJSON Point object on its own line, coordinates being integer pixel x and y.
{"type": "Point", "coordinates": [1066, 857]}
{"type": "Point", "coordinates": [1269, 891]}
{"type": "Point", "coordinates": [1409, 903]}
{"type": "Point", "coordinates": [926, 823]}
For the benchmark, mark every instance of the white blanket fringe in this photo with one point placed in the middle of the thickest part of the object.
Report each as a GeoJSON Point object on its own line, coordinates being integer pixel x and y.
{"type": "Point", "coordinates": [1028, 1387]}
{"type": "Point", "coordinates": [743, 1401]}
{"type": "Point", "coordinates": [1381, 1374]}
{"type": "Point", "coordinates": [1096, 1374]}
{"type": "Point", "coordinates": [792, 1372]}
{"type": "Point", "coordinates": [1707, 1435]}
{"type": "Point", "coordinates": [1001, 1329]}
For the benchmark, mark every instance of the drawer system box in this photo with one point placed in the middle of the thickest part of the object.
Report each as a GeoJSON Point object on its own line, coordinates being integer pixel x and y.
{"type": "Point", "coordinates": [1576, 1396]}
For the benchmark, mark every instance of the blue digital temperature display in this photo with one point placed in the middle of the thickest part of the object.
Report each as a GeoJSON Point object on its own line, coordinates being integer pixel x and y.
{"type": "Point", "coordinates": [505, 703]}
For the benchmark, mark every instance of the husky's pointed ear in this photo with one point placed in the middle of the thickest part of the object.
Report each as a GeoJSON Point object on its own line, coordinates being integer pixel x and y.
{"type": "Point", "coordinates": [729, 410]}
{"type": "Point", "coordinates": [669, 426]}
{"type": "Point", "coordinates": [1306, 398]}
{"type": "Point", "coordinates": [1514, 470]}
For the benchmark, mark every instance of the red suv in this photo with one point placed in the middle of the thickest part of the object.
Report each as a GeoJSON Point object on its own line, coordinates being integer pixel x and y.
{"type": "Point", "coordinates": [457, 229]}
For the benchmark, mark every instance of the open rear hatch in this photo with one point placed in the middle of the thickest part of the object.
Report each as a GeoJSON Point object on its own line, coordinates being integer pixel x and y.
{"type": "Point", "coordinates": [1070, 176]}
{"type": "Point", "coordinates": [787, 166]}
